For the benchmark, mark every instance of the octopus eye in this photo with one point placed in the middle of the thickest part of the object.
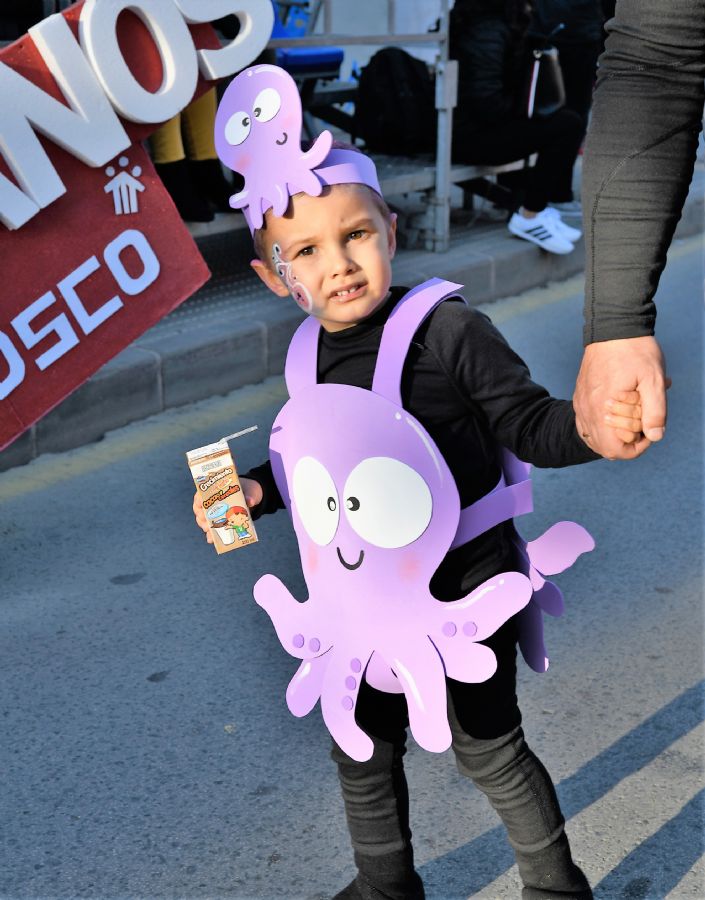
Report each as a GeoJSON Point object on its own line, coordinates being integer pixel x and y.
{"type": "Point", "coordinates": [391, 501]}
{"type": "Point", "coordinates": [237, 128]}
{"type": "Point", "coordinates": [267, 104]}
{"type": "Point", "coordinates": [315, 500]}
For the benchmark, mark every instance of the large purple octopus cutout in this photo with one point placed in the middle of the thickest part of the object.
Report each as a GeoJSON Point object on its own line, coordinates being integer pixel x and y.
{"type": "Point", "coordinates": [375, 509]}
{"type": "Point", "coordinates": [258, 133]}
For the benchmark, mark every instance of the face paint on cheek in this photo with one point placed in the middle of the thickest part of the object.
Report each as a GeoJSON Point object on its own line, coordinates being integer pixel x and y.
{"type": "Point", "coordinates": [297, 289]}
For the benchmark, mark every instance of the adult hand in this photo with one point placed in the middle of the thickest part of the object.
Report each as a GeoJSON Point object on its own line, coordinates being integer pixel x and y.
{"type": "Point", "coordinates": [608, 369]}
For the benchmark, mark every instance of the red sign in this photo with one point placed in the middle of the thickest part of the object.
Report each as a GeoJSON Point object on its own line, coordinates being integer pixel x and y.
{"type": "Point", "coordinates": [91, 272]}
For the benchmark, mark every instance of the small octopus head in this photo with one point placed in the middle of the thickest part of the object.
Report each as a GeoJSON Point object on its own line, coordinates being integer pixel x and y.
{"type": "Point", "coordinates": [258, 123]}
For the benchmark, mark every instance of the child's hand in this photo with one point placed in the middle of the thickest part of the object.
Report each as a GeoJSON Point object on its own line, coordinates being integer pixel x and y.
{"type": "Point", "coordinates": [253, 495]}
{"type": "Point", "coordinates": [624, 415]}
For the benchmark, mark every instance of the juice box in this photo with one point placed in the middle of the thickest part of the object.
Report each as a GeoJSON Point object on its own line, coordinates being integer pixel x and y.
{"type": "Point", "coordinates": [216, 479]}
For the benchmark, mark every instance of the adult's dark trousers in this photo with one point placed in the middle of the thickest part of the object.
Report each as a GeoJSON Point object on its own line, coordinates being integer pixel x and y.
{"type": "Point", "coordinates": [556, 139]}
{"type": "Point", "coordinates": [503, 768]}
{"type": "Point", "coordinates": [578, 64]}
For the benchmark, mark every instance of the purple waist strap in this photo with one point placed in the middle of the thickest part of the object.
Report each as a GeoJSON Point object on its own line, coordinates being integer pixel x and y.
{"type": "Point", "coordinates": [501, 504]}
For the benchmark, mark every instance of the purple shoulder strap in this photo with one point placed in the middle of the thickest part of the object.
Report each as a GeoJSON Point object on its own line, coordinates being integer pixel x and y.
{"type": "Point", "coordinates": [301, 369]}
{"type": "Point", "coordinates": [402, 324]}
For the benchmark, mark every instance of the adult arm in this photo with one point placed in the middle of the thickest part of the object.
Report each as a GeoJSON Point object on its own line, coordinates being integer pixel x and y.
{"type": "Point", "coordinates": [637, 167]}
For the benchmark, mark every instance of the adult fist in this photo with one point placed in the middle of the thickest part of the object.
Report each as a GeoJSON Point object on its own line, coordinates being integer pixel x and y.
{"type": "Point", "coordinates": [608, 369]}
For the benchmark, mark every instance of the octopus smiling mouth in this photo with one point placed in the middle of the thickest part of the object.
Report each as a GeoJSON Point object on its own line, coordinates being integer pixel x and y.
{"type": "Point", "coordinates": [284, 139]}
{"type": "Point", "coordinates": [351, 566]}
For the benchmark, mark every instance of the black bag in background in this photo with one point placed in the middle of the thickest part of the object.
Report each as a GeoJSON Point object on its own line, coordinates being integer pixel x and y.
{"type": "Point", "coordinates": [395, 106]}
{"type": "Point", "coordinates": [544, 91]}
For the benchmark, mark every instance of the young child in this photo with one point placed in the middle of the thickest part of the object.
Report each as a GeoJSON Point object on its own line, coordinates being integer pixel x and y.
{"type": "Point", "coordinates": [473, 395]}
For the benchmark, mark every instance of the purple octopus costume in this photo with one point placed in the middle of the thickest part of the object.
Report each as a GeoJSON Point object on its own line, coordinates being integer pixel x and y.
{"type": "Point", "coordinates": [373, 502]}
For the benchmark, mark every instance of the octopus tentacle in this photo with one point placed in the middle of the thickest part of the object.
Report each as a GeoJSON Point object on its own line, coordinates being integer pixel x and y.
{"type": "Point", "coordinates": [339, 697]}
{"type": "Point", "coordinates": [531, 642]}
{"type": "Point", "coordinates": [421, 674]}
{"type": "Point", "coordinates": [306, 685]}
{"type": "Point", "coordinates": [464, 660]}
{"type": "Point", "coordinates": [301, 627]}
{"type": "Point", "coordinates": [481, 613]}
{"type": "Point", "coordinates": [559, 547]}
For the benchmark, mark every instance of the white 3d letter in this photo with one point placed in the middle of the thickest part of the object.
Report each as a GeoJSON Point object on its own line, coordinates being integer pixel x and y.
{"type": "Point", "coordinates": [256, 23]}
{"type": "Point", "coordinates": [88, 127]}
{"type": "Point", "coordinates": [15, 376]}
{"type": "Point", "coordinates": [97, 28]}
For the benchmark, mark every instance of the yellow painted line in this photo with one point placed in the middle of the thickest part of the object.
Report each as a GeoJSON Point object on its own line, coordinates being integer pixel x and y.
{"type": "Point", "coordinates": [214, 416]}
{"type": "Point", "coordinates": [222, 414]}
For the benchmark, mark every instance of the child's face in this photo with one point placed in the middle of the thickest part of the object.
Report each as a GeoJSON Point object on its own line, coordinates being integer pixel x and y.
{"type": "Point", "coordinates": [333, 254]}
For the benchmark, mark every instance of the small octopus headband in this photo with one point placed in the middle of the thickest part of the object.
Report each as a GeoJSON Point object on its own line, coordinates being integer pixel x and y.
{"type": "Point", "coordinates": [258, 134]}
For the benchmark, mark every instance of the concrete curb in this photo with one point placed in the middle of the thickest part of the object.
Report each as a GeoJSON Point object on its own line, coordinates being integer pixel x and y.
{"type": "Point", "coordinates": [159, 372]}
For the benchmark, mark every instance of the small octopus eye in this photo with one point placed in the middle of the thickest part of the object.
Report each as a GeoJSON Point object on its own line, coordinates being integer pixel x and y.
{"type": "Point", "coordinates": [267, 104]}
{"type": "Point", "coordinates": [237, 128]}
{"type": "Point", "coordinates": [353, 504]}
{"type": "Point", "coordinates": [332, 505]}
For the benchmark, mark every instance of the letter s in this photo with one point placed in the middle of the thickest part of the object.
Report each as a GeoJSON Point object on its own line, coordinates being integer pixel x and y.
{"type": "Point", "coordinates": [256, 24]}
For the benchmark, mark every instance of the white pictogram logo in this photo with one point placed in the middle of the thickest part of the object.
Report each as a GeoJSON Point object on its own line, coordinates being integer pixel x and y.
{"type": "Point", "coordinates": [124, 187]}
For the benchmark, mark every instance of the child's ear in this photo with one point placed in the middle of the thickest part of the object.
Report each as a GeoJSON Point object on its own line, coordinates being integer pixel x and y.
{"type": "Point", "coordinates": [270, 278]}
{"type": "Point", "coordinates": [392, 235]}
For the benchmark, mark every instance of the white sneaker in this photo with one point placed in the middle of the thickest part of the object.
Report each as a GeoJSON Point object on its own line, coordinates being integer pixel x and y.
{"type": "Point", "coordinates": [573, 234]}
{"type": "Point", "coordinates": [569, 208]}
{"type": "Point", "coordinates": [542, 231]}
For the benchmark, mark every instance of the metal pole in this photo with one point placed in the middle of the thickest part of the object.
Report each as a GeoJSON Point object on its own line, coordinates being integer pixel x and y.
{"type": "Point", "coordinates": [446, 99]}
{"type": "Point", "coordinates": [327, 17]}
{"type": "Point", "coordinates": [391, 16]}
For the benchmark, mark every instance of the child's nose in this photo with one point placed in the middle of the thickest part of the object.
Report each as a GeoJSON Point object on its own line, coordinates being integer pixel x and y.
{"type": "Point", "coordinates": [342, 262]}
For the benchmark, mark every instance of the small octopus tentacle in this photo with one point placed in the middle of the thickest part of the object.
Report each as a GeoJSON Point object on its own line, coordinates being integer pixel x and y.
{"type": "Point", "coordinates": [237, 201]}
{"type": "Point", "coordinates": [315, 155]}
{"type": "Point", "coordinates": [305, 687]}
{"type": "Point", "coordinates": [339, 698]}
{"type": "Point", "coordinates": [301, 627]}
{"type": "Point", "coordinates": [421, 674]}
{"type": "Point", "coordinates": [281, 198]}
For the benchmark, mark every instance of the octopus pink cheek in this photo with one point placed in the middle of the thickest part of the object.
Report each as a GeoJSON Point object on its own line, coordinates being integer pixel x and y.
{"type": "Point", "coordinates": [409, 567]}
{"type": "Point", "coordinates": [312, 558]}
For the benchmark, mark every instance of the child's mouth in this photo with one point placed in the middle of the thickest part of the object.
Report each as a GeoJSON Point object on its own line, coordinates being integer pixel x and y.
{"type": "Point", "coordinates": [349, 293]}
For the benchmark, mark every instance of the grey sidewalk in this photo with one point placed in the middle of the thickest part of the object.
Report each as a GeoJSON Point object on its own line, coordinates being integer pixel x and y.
{"type": "Point", "coordinates": [233, 332]}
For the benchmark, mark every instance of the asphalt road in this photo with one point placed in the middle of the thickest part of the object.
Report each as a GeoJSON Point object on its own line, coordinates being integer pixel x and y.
{"type": "Point", "coordinates": [146, 748]}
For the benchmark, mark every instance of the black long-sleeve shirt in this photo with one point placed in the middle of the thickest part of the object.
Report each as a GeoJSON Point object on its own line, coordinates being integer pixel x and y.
{"type": "Point", "coordinates": [472, 393]}
{"type": "Point", "coordinates": [638, 163]}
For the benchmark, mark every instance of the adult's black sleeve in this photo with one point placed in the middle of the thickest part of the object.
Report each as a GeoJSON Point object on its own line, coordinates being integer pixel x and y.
{"type": "Point", "coordinates": [495, 383]}
{"type": "Point", "coordinates": [639, 155]}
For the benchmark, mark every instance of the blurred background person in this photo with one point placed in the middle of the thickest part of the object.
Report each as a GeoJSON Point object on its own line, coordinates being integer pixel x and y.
{"type": "Point", "coordinates": [490, 41]}
{"type": "Point", "coordinates": [579, 43]}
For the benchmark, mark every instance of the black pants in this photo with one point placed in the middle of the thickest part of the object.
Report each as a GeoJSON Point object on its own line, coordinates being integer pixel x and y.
{"type": "Point", "coordinates": [578, 67]}
{"type": "Point", "coordinates": [556, 139]}
{"type": "Point", "coordinates": [502, 767]}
